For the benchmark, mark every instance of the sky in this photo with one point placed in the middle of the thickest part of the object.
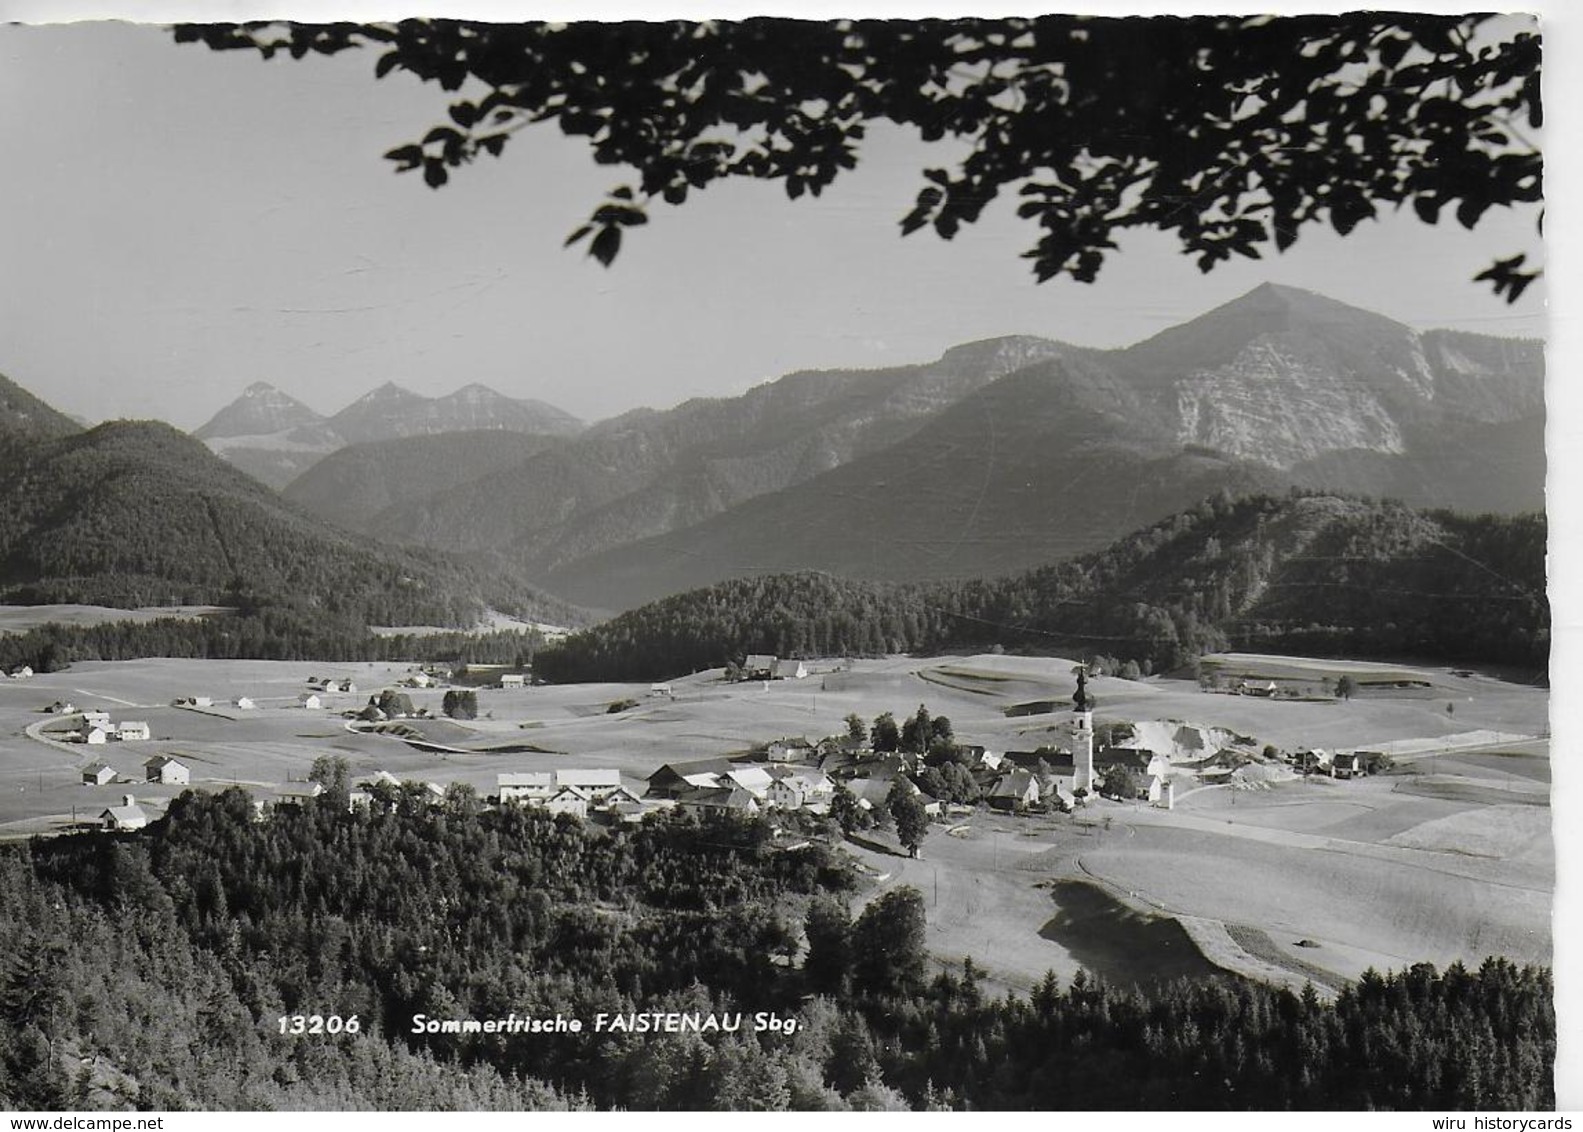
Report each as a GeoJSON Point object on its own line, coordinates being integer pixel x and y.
{"type": "Point", "coordinates": [175, 224]}
{"type": "Point", "coordinates": [186, 222]}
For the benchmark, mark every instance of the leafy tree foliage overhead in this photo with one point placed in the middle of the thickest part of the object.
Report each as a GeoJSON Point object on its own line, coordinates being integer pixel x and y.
{"type": "Point", "coordinates": [1231, 133]}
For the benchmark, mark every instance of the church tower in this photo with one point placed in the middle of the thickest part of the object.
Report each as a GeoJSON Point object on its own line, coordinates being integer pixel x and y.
{"type": "Point", "coordinates": [1083, 736]}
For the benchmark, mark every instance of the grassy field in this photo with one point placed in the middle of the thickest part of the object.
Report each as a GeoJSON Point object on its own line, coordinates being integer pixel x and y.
{"type": "Point", "coordinates": [1448, 858]}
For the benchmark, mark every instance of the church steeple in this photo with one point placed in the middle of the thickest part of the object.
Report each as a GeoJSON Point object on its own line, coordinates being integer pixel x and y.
{"type": "Point", "coordinates": [1083, 735]}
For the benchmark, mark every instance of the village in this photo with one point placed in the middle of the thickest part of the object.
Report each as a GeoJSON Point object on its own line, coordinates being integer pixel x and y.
{"type": "Point", "coordinates": [1239, 816]}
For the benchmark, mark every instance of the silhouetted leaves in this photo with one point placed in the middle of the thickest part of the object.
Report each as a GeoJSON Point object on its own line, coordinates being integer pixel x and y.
{"type": "Point", "coordinates": [1228, 132]}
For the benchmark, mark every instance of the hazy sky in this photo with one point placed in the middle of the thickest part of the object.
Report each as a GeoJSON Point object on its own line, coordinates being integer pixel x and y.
{"type": "Point", "coordinates": [177, 223]}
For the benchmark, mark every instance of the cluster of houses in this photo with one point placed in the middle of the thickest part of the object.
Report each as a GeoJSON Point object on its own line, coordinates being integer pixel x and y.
{"type": "Point", "coordinates": [96, 729]}
{"type": "Point", "coordinates": [1338, 764]}
{"type": "Point", "coordinates": [164, 769]}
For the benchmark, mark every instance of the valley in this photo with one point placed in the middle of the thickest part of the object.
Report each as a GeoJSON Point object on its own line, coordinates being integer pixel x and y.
{"type": "Point", "coordinates": [1444, 857]}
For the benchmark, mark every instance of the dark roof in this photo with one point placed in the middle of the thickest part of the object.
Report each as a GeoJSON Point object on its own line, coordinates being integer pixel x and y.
{"type": "Point", "coordinates": [1124, 756]}
{"type": "Point", "coordinates": [672, 774]}
{"type": "Point", "coordinates": [1056, 760]}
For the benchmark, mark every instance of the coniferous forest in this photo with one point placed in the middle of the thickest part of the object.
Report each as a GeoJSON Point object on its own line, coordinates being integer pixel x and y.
{"type": "Point", "coordinates": [151, 970]}
{"type": "Point", "coordinates": [1307, 573]}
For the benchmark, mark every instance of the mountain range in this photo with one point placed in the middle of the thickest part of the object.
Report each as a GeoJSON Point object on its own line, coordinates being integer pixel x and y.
{"type": "Point", "coordinates": [275, 438]}
{"type": "Point", "coordinates": [999, 456]}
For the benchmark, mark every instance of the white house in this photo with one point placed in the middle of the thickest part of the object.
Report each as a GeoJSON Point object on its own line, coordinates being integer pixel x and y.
{"type": "Point", "coordinates": [419, 680]}
{"type": "Point", "coordinates": [245, 703]}
{"type": "Point", "coordinates": [95, 736]}
{"type": "Point", "coordinates": [132, 730]}
{"type": "Point", "coordinates": [795, 791]}
{"type": "Point", "coordinates": [298, 793]}
{"type": "Point", "coordinates": [568, 800]}
{"type": "Point", "coordinates": [512, 680]}
{"type": "Point", "coordinates": [97, 774]}
{"type": "Point", "coordinates": [22, 673]}
{"type": "Point", "coordinates": [790, 669]}
{"type": "Point", "coordinates": [540, 787]}
{"type": "Point", "coordinates": [163, 768]}
{"type": "Point", "coordinates": [790, 751]}
{"type": "Point", "coordinates": [128, 815]}
{"type": "Point", "coordinates": [660, 690]}
{"type": "Point", "coordinates": [526, 786]}
{"type": "Point", "coordinates": [310, 701]}
{"type": "Point", "coordinates": [99, 719]}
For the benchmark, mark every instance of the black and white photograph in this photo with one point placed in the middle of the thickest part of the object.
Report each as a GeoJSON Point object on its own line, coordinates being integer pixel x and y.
{"type": "Point", "coordinates": [950, 561]}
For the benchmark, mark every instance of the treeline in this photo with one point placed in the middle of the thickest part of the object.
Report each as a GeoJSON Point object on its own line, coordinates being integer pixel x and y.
{"type": "Point", "coordinates": [269, 633]}
{"type": "Point", "coordinates": [167, 958]}
{"type": "Point", "coordinates": [1307, 572]}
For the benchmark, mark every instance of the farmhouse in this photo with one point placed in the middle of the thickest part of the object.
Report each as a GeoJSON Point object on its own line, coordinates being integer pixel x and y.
{"type": "Point", "coordinates": [1347, 764]}
{"type": "Point", "coordinates": [298, 793]}
{"type": "Point", "coordinates": [568, 800]}
{"type": "Point", "coordinates": [799, 789]}
{"type": "Point", "coordinates": [675, 779]}
{"type": "Point", "coordinates": [132, 731]}
{"type": "Point", "coordinates": [759, 666]}
{"type": "Point", "coordinates": [97, 736]}
{"type": "Point", "coordinates": [60, 707]}
{"type": "Point", "coordinates": [541, 787]}
{"type": "Point", "coordinates": [1134, 758]}
{"type": "Point", "coordinates": [754, 779]}
{"type": "Point", "coordinates": [789, 751]}
{"type": "Point", "coordinates": [128, 815]}
{"type": "Point", "coordinates": [1019, 788]}
{"type": "Point", "coordinates": [245, 704]}
{"type": "Point", "coordinates": [660, 690]}
{"type": "Point", "coordinates": [97, 774]}
{"type": "Point", "coordinates": [790, 670]}
{"type": "Point", "coordinates": [310, 701]}
{"type": "Point", "coordinates": [99, 719]}
{"type": "Point", "coordinates": [22, 673]}
{"type": "Point", "coordinates": [719, 799]}
{"type": "Point", "coordinates": [1266, 688]}
{"type": "Point", "coordinates": [165, 769]}
{"type": "Point", "coordinates": [513, 680]}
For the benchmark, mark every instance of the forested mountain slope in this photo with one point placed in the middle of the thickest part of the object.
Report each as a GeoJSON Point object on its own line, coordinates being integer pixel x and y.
{"type": "Point", "coordinates": [1309, 573]}
{"type": "Point", "coordinates": [137, 513]}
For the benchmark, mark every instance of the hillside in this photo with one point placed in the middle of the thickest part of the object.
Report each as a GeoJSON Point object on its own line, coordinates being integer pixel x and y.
{"type": "Point", "coordinates": [352, 486]}
{"type": "Point", "coordinates": [24, 418]}
{"type": "Point", "coordinates": [1278, 388]}
{"type": "Point", "coordinates": [1052, 460]}
{"type": "Point", "coordinates": [1310, 573]}
{"type": "Point", "coordinates": [649, 473]}
{"type": "Point", "coordinates": [137, 513]}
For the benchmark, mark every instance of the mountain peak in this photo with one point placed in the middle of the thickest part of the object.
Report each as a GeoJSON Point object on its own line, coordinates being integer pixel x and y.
{"type": "Point", "coordinates": [261, 410]}
{"type": "Point", "coordinates": [387, 392]}
{"type": "Point", "coordinates": [24, 415]}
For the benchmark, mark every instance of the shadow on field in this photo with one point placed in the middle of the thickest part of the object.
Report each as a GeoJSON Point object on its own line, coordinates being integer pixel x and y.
{"type": "Point", "coordinates": [1118, 944]}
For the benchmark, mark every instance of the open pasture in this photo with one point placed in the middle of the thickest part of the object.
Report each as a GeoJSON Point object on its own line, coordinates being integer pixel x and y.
{"type": "Point", "coordinates": [1360, 908]}
{"type": "Point", "coordinates": [1428, 862]}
